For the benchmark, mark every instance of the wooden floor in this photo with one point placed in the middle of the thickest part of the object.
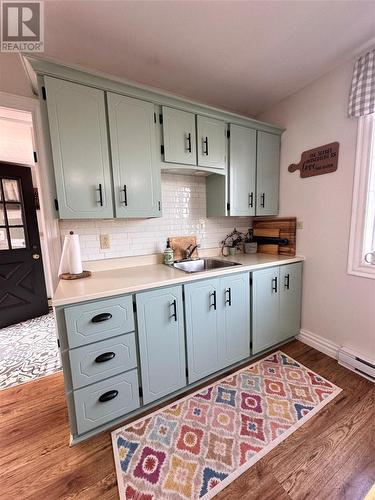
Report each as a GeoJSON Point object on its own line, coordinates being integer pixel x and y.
{"type": "Point", "coordinates": [332, 456]}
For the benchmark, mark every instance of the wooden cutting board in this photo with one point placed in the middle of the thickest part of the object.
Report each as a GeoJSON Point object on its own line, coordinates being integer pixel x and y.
{"type": "Point", "coordinates": [287, 229]}
{"type": "Point", "coordinates": [179, 244]}
{"type": "Point", "coordinates": [272, 249]}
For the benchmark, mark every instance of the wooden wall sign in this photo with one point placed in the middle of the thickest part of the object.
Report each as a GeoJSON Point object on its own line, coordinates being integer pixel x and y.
{"type": "Point", "coordinates": [317, 161]}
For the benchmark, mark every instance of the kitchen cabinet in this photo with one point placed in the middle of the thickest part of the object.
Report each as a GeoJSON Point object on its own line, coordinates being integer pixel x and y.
{"type": "Point", "coordinates": [136, 171]}
{"type": "Point", "coordinates": [242, 168]}
{"type": "Point", "coordinates": [211, 142]}
{"type": "Point", "coordinates": [235, 339]}
{"type": "Point", "coordinates": [252, 186]}
{"type": "Point", "coordinates": [276, 305]}
{"type": "Point", "coordinates": [290, 299]}
{"type": "Point", "coordinates": [202, 328]}
{"type": "Point", "coordinates": [268, 172]}
{"type": "Point", "coordinates": [179, 136]}
{"type": "Point", "coordinates": [161, 342]}
{"type": "Point", "coordinates": [78, 134]}
{"type": "Point", "coordinates": [217, 324]}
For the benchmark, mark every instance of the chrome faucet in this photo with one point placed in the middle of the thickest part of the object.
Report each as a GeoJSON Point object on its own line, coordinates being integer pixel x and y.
{"type": "Point", "coordinates": [189, 251]}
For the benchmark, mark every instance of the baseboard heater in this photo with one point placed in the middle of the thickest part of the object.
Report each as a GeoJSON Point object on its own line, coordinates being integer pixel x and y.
{"type": "Point", "coordinates": [357, 363]}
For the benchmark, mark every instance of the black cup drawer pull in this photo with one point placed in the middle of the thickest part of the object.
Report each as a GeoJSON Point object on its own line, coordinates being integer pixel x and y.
{"type": "Point", "coordinates": [106, 356]}
{"type": "Point", "coordinates": [107, 396]}
{"type": "Point", "coordinates": [101, 317]}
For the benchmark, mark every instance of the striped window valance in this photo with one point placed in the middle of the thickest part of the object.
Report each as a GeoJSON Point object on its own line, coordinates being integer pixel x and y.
{"type": "Point", "coordinates": [362, 94]}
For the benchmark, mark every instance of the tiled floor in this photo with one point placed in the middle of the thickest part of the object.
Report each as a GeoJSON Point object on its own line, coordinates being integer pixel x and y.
{"type": "Point", "coordinates": [28, 351]}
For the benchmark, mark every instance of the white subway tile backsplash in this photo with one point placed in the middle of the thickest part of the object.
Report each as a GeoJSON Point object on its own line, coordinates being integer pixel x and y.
{"type": "Point", "coordinates": [184, 213]}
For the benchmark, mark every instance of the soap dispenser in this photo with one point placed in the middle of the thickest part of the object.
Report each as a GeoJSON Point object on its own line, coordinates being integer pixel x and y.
{"type": "Point", "coordinates": [168, 254]}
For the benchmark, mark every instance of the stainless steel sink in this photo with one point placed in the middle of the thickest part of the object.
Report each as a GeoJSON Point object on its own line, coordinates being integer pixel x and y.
{"type": "Point", "coordinates": [205, 264]}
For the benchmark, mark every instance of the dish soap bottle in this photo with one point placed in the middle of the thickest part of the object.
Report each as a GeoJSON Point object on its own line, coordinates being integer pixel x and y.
{"type": "Point", "coordinates": [168, 254]}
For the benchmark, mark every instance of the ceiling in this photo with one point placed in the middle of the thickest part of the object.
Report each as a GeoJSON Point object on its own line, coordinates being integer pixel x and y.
{"type": "Point", "coordinates": [243, 56]}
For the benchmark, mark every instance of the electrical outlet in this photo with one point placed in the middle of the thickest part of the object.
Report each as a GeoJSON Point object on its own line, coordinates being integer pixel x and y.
{"type": "Point", "coordinates": [104, 241]}
{"type": "Point", "coordinates": [299, 224]}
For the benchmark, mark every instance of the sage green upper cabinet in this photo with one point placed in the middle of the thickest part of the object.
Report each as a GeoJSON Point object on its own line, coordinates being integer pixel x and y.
{"type": "Point", "coordinates": [179, 136]}
{"type": "Point", "coordinates": [242, 166]}
{"type": "Point", "coordinates": [136, 170]}
{"type": "Point", "coordinates": [78, 131]}
{"type": "Point", "coordinates": [211, 142]}
{"type": "Point", "coordinates": [268, 171]}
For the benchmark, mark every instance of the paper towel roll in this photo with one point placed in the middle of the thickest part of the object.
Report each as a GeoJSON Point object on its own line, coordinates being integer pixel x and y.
{"type": "Point", "coordinates": [71, 261]}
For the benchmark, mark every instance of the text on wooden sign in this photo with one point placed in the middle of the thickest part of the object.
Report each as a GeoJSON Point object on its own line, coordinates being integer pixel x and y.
{"type": "Point", "coordinates": [317, 161]}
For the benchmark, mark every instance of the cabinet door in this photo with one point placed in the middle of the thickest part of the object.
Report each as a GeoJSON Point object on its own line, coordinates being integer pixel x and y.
{"type": "Point", "coordinates": [268, 172]}
{"type": "Point", "coordinates": [234, 303]}
{"type": "Point", "coordinates": [161, 342]}
{"type": "Point", "coordinates": [290, 300]}
{"type": "Point", "coordinates": [202, 328]}
{"type": "Point", "coordinates": [136, 171]}
{"type": "Point", "coordinates": [265, 309]}
{"type": "Point", "coordinates": [78, 130]}
{"type": "Point", "coordinates": [179, 136]}
{"type": "Point", "coordinates": [211, 142]}
{"type": "Point", "coordinates": [242, 163]}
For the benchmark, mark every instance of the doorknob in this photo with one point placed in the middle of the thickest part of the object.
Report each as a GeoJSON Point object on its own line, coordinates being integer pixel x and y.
{"type": "Point", "coordinates": [36, 256]}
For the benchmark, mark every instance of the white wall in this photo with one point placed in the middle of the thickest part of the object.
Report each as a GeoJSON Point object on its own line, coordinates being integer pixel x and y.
{"type": "Point", "coordinates": [336, 306]}
{"type": "Point", "coordinates": [184, 213]}
{"type": "Point", "coordinates": [13, 77]}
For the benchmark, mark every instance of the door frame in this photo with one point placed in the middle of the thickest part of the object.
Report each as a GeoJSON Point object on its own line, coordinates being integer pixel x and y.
{"type": "Point", "coordinates": [50, 224]}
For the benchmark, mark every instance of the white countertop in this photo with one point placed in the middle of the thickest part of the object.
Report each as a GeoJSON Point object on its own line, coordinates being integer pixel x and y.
{"type": "Point", "coordinates": [107, 283]}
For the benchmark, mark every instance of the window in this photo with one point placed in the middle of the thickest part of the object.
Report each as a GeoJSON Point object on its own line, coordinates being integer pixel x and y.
{"type": "Point", "coordinates": [362, 234]}
{"type": "Point", "coordinates": [12, 234]}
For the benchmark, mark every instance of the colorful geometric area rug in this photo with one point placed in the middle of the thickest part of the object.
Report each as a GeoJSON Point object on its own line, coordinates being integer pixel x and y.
{"type": "Point", "coordinates": [198, 445]}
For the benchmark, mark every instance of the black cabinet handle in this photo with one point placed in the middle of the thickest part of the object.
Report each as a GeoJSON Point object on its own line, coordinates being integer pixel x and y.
{"type": "Point", "coordinates": [189, 142]}
{"type": "Point", "coordinates": [263, 200]}
{"type": "Point", "coordinates": [229, 299]}
{"type": "Point", "coordinates": [286, 281]}
{"type": "Point", "coordinates": [106, 356]}
{"type": "Point", "coordinates": [101, 317]}
{"type": "Point", "coordinates": [213, 294]}
{"type": "Point", "coordinates": [107, 396]}
{"type": "Point", "coordinates": [251, 200]}
{"type": "Point", "coordinates": [174, 305]}
{"type": "Point", "coordinates": [274, 285]}
{"type": "Point", "coordinates": [125, 196]}
{"type": "Point", "coordinates": [100, 195]}
{"type": "Point", "coordinates": [205, 149]}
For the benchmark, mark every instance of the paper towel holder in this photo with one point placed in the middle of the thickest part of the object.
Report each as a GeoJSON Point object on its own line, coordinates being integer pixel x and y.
{"type": "Point", "coordinates": [69, 276]}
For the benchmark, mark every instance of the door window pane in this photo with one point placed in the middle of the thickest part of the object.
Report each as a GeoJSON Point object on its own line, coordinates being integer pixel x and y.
{"type": "Point", "coordinates": [2, 215]}
{"type": "Point", "coordinates": [3, 239]}
{"type": "Point", "coordinates": [14, 213]}
{"type": "Point", "coordinates": [17, 237]}
{"type": "Point", "coordinates": [11, 190]}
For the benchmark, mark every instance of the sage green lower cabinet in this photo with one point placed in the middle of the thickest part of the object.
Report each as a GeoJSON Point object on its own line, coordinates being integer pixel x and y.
{"type": "Point", "coordinates": [290, 299]}
{"type": "Point", "coordinates": [235, 294]}
{"type": "Point", "coordinates": [202, 328]}
{"type": "Point", "coordinates": [275, 308]}
{"type": "Point", "coordinates": [161, 342]}
{"type": "Point", "coordinates": [217, 324]}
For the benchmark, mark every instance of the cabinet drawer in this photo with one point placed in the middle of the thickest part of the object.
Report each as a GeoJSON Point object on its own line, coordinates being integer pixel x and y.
{"type": "Point", "coordinates": [87, 323]}
{"type": "Point", "coordinates": [104, 401]}
{"type": "Point", "coordinates": [95, 362]}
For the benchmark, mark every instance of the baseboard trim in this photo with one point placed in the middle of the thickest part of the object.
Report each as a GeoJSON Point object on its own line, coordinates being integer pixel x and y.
{"type": "Point", "coordinates": [319, 343]}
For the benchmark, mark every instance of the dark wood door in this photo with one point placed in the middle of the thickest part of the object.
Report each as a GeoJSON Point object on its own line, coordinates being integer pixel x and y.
{"type": "Point", "coordinates": [22, 285]}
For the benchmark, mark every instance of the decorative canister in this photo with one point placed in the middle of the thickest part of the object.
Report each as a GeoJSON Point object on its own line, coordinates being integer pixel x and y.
{"type": "Point", "coordinates": [251, 247]}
